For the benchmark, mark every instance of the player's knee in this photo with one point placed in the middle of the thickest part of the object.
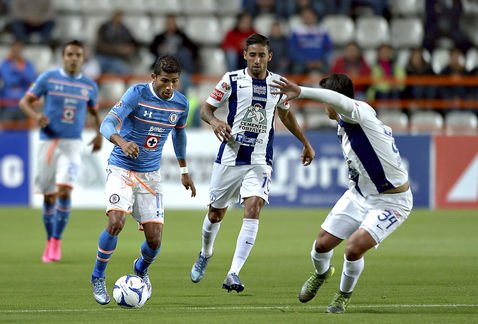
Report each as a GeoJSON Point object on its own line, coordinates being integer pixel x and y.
{"type": "Point", "coordinates": [216, 215]}
{"type": "Point", "coordinates": [116, 222]}
{"type": "Point", "coordinates": [353, 252]}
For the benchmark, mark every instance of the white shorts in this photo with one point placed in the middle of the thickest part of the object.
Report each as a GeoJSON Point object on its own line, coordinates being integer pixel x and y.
{"type": "Point", "coordinates": [58, 164]}
{"type": "Point", "coordinates": [231, 184]}
{"type": "Point", "coordinates": [136, 193]}
{"type": "Point", "coordinates": [379, 215]}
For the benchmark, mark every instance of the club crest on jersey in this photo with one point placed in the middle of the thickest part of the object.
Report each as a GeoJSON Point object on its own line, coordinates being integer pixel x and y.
{"type": "Point", "coordinates": [68, 115]}
{"type": "Point", "coordinates": [114, 199]}
{"type": "Point", "coordinates": [225, 86]}
{"type": "Point", "coordinates": [151, 142]}
{"type": "Point", "coordinates": [84, 92]}
{"type": "Point", "coordinates": [173, 118]}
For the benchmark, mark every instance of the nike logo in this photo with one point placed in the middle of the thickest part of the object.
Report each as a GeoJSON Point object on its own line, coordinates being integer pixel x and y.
{"type": "Point", "coordinates": [243, 86]}
{"type": "Point", "coordinates": [247, 242]}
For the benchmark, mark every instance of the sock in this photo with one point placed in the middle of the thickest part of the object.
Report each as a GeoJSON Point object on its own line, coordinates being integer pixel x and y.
{"type": "Point", "coordinates": [209, 233]}
{"type": "Point", "coordinates": [49, 213]}
{"type": "Point", "coordinates": [148, 255]}
{"type": "Point", "coordinates": [245, 242]}
{"type": "Point", "coordinates": [106, 247]}
{"type": "Point", "coordinates": [351, 274]}
{"type": "Point", "coordinates": [63, 209]}
{"type": "Point", "coordinates": [321, 261]}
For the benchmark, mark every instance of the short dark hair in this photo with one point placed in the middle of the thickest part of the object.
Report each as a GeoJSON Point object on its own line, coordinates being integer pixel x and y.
{"type": "Point", "coordinates": [340, 83]}
{"type": "Point", "coordinates": [168, 64]}
{"type": "Point", "coordinates": [257, 39]}
{"type": "Point", "coordinates": [73, 42]}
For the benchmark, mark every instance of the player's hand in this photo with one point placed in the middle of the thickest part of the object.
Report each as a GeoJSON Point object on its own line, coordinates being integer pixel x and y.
{"type": "Point", "coordinates": [188, 183]}
{"type": "Point", "coordinates": [307, 156]}
{"type": "Point", "coordinates": [130, 149]}
{"type": "Point", "coordinates": [284, 86]}
{"type": "Point", "coordinates": [96, 142]}
{"type": "Point", "coordinates": [42, 120]}
{"type": "Point", "coordinates": [221, 130]}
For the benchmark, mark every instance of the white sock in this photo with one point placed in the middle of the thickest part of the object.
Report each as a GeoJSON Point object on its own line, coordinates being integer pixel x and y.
{"type": "Point", "coordinates": [320, 261]}
{"type": "Point", "coordinates": [351, 274]}
{"type": "Point", "coordinates": [209, 232]}
{"type": "Point", "coordinates": [245, 242]}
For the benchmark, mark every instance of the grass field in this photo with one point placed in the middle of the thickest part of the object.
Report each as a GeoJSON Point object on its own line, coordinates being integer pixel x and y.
{"type": "Point", "coordinates": [426, 272]}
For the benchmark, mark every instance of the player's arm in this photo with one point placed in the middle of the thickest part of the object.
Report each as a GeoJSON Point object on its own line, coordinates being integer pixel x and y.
{"type": "Point", "coordinates": [221, 129]}
{"type": "Point", "coordinates": [289, 121]}
{"type": "Point", "coordinates": [179, 144]}
{"type": "Point", "coordinates": [26, 106]}
{"type": "Point", "coordinates": [109, 130]}
{"type": "Point", "coordinates": [98, 140]}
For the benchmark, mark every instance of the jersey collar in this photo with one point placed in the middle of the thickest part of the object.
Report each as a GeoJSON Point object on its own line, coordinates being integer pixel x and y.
{"type": "Point", "coordinates": [63, 72]}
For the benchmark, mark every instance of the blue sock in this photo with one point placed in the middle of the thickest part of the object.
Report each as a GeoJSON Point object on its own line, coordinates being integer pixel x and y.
{"type": "Point", "coordinates": [48, 218]}
{"type": "Point", "coordinates": [147, 257]}
{"type": "Point", "coordinates": [63, 209]}
{"type": "Point", "coordinates": [106, 247]}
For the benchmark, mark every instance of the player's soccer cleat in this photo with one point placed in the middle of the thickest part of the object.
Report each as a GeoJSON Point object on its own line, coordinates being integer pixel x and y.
{"type": "Point", "coordinates": [232, 282]}
{"type": "Point", "coordinates": [311, 286]}
{"type": "Point", "coordinates": [144, 275]}
{"type": "Point", "coordinates": [199, 268]}
{"type": "Point", "coordinates": [46, 252]}
{"type": "Point", "coordinates": [339, 303]}
{"type": "Point", "coordinates": [55, 249]}
{"type": "Point", "coordinates": [99, 291]}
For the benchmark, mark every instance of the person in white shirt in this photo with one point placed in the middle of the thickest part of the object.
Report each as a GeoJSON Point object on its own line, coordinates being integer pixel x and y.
{"type": "Point", "coordinates": [243, 165]}
{"type": "Point", "coordinates": [379, 198]}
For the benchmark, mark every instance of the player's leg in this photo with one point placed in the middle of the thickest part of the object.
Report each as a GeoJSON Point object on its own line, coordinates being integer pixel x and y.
{"type": "Point", "coordinates": [49, 202]}
{"type": "Point", "coordinates": [149, 252]}
{"type": "Point", "coordinates": [63, 208]}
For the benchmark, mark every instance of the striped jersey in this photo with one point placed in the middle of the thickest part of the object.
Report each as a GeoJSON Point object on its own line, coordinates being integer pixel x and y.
{"type": "Point", "coordinates": [147, 120]}
{"type": "Point", "coordinates": [251, 117]}
{"type": "Point", "coordinates": [368, 146]}
{"type": "Point", "coordinates": [66, 101]}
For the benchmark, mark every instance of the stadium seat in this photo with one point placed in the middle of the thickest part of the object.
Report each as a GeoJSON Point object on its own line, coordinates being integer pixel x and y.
{"type": "Point", "coordinates": [40, 55]}
{"type": "Point", "coordinates": [396, 119]}
{"type": "Point", "coordinates": [228, 7]}
{"type": "Point", "coordinates": [408, 7]}
{"type": "Point", "coordinates": [66, 5]}
{"type": "Point", "coordinates": [213, 60]}
{"type": "Point", "coordinates": [440, 57]}
{"type": "Point", "coordinates": [140, 26]}
{"type": "Point", "coordinates": [471, 59]}
{"type": "Point", "coordinates": [227, 22]}
{"type": "Point", "coordinates": [145, 62]}
{"type": "Point", "coordinates": [111, 90]}
{"type": "Point", "coordinates": [90, 29]}
{"type": "Point", "coordinates": [406, 32]}
{"type": "Point", "coordinates": [371, 31]}
{"type": "Point", "coordinates": [370, 56]}
{"type": "Point", "coordinates": [103, 7]}
{"type": "Point", "coordinates": [262, 23]}
{"type": "Point", "coordinates": [131, 6]}
{"type": "Point", "coordinates": [69, 27]}
{"type": "Point", "coordinates": [163, 7]}
{"type": "Point", "coordinates": [461, 123]}
{"type": "Point", "coordinates": [402, 57]}
{"type": "Point", "coordinates": [426, 121]}
{"type": "Point", "coordinates": [340, 28]}
{"type": "Point", "coordinates": [204, 30]}
{"type": "Point", "coordinates": [199, 7]}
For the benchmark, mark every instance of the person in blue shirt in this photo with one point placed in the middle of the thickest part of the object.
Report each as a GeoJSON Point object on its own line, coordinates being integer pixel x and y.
{"type": "Point", "coordinates": [139, 125]}
{"type": "Point", "coordinates": [68, 96]}
{"type": "Point", "coordinates": [17, 74]}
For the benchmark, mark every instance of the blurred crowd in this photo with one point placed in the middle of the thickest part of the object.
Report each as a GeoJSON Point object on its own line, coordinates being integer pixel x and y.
{"type": "Point", "coordinates": [301, 45]}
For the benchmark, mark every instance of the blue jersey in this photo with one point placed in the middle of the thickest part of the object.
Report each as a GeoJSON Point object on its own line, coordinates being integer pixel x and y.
{"type": "Point", "coordinates": [147, 120]}
{"type": "Point", "coordinates": [66, 101]}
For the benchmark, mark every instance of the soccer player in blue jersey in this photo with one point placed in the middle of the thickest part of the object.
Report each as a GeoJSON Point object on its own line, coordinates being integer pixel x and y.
{"type": "Point", "coordinates": [379, 198]}
{"type": "Point", "coordinates": [243, 165]}
{"type": "Point", "coordinates": [139, 125]}
{"type": "Point", "coordinates": [68, 96]}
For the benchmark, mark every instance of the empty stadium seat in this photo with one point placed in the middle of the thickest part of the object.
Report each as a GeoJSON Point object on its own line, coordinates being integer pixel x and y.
{"type": "Point", "coordinates": [440, 58]}
{"type": "Point", "coordinates": [340, 28]}
{"type": "Point", "coordinates": [163, 7]}
{"type": "Point", "coordinates": [426, 121]}
{"type": "Point", "coordinates": [40, 55]}
{"type": "Point", "coordinates": [406, 32]}
{"type": "Point", "coordinates": [66, 5]}
{"type": "Point", "coordinates": [90, 29]}
{"type": "Point", "coordinates": [69, 27]}
{"type": "Point", "coordinates": [372, 31]}
{"type": "Point", "coordinates": [102, 7]}
{"type": "Point", "coordinates": [131, 6]}
{"type": "Point", "coordinates": [471, 59]}
{"type": "Point", "coordinates": [204, 30]}
{"type": "Point", "coordinates": [140, 26]}
{"type": "Point", "coordinates": [111, 90]}
{"type": "Point", "coordinates": [461, 123]}
{"type": "Point", "coordinates": [408, 7]}
{"type": "Point", "coordinates": [213, 60]}
{"type": "Point", "coordinates": [228, 7]}
{"type": "Point", "coordinates": [199, 7]}
{"type": "Point", "coordinates": [262, 23]}
{"type": "Point", "coordinates": [396, 119]}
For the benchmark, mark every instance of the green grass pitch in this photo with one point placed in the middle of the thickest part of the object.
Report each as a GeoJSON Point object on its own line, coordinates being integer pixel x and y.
{"type": "Point", "coordinates": [425, 272]}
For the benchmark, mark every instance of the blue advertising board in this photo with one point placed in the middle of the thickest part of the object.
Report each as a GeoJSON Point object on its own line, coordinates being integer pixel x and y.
{"type": "Point", "coordinates": [326, 179]}
{"type": "Point", "coordinates": [14, 168]}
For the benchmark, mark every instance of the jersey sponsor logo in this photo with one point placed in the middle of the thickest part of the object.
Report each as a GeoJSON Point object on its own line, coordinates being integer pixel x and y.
{"type": "Point", "coordinates": [259, 89]}
{"type": "Point", "coordinates": [151, 142]}
{"type": "Point", "coordinates": [217, 94]}
{"type": "Point", "coordinates": [255, 119]}
{"type": "Point", "coordinates": [114, 199]}
{"type": "Point", "coordinates": [173, 118]}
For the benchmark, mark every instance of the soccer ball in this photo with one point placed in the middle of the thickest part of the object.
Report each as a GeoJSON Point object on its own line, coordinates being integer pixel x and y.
{"type": "Point", "coordinates": [130, 291]}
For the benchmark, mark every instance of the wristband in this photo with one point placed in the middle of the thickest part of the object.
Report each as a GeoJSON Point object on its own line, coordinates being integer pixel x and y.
{"type": "Point", "coordinates": [183, 170]}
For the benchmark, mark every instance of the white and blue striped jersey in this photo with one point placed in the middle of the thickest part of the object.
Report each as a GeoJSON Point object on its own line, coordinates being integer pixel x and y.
{"type": "Point", "coordinates": [368, 146]}
{"type": "Point", "coordinates": [251, 117]}
{"type": "Point", "coordinates": [66, 101]}
{"type": "Point", "coordinates": [147, 120]}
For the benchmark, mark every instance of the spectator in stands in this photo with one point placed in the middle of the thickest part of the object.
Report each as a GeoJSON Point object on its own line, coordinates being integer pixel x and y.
{"type": "Point", "coordinates": [174, 41]}
{"type": "Point", "coordinates": [310, 46]}
{"type": "Point", "coordinates": [288, 9]}
{"type": "Point", "coordinates": [233, 43]}
{"type": "Point", "coordinates": [31, 17]}
{"type": "Point", "coordinates": [418, 66]}
{"type": "Point", "coordinates": [455, 69]}
{"type": "Point", "coordinates": [385, 68]}
{"type": "Point", "coordinates": [115, 46]}
{"type": "Point", "coordinates": [352, 63]}
{"type": "Point", "coordinates": [17, 74]}
{"type": "Point", "coordinates": [279, 45]}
